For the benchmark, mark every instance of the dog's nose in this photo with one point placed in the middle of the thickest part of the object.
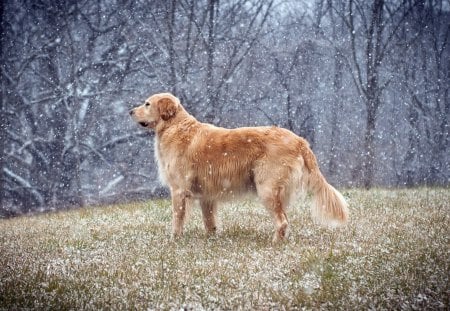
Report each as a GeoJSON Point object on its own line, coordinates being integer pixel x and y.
{"type": "Point", "coordinates": [131, 112]}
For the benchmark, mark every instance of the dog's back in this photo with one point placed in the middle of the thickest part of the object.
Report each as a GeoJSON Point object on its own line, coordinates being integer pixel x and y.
{"type": "Point", "coordinates": [229, 162]}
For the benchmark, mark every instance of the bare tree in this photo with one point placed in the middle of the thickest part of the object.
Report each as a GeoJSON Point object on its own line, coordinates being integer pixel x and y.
{"type": "Point", "coordinates": [3, 119]}
{"type": "Point", "coordinates": [372, 30]}
{"type": "Point", "coordinates": [204, 46]}
{"type": "Point", "coordinates": [337, 41]}
{"type": "Point", "coordinates": [425, 78]}
{"type": "Point", "coordinates": [210, 51]}
{"type": "Point", "coordinates": [54, 94]}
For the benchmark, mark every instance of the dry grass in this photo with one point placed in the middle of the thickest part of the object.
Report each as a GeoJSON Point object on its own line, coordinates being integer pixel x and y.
{"type": "Point", "coordinates": [393, 255]}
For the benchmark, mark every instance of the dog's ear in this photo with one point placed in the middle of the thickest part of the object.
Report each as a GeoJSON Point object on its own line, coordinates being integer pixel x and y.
{"type": "Point", "coordinates": [167, 108]}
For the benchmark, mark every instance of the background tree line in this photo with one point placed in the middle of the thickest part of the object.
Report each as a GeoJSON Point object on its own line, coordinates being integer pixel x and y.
{"type": "Point", "coordinates": [366, 82]}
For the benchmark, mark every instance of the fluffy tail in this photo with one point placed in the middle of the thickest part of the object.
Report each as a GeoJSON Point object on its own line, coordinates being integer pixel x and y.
{"type": "Point", "coordinates": [329, 207]}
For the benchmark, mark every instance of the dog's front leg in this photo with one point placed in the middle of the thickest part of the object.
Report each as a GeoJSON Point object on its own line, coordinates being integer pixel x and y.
{"type": "Point", "coordinates": [180, 202]}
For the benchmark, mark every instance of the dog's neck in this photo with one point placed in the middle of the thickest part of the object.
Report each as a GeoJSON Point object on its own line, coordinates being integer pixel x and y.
{"type": "Point", "coordinates": [178, 125]}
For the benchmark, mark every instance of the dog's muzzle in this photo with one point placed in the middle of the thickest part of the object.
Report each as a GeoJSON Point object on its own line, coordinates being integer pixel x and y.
{"type": "Point", "coordinates": [146, 124]}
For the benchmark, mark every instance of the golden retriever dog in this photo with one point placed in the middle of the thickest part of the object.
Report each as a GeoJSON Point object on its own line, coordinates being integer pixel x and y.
{"type": "Point", "coordinates": [203, 162]}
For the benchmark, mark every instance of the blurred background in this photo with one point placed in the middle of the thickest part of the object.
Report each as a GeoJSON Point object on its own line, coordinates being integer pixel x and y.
{"type": "Point", "coordinates": [365, 81]}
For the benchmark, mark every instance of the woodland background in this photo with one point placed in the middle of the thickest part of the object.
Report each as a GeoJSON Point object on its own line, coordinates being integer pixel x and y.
{"type": "Point", "coordinates": [366, 82]}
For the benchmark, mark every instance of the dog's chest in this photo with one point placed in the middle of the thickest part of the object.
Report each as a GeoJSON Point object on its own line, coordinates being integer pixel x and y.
{"type": "Point", "coordinates": [168, 160]}
{"type": "Point", "coordinates": [160, 162]}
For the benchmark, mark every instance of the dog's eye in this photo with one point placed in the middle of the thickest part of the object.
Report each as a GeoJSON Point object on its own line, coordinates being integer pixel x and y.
{"type": "Point", "coordinates": [147, 104]}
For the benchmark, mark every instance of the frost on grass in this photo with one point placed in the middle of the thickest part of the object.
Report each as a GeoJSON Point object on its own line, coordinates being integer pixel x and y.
{"type": "Point", "coordinates": [394, 254]}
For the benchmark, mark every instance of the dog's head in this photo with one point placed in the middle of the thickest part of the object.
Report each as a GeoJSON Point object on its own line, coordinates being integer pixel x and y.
{"type": "Point", "coordinates": [156, 109]}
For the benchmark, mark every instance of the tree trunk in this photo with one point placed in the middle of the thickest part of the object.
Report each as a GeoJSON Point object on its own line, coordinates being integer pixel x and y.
{"type": "Point", "coordinates": [337, 103]}
{"type": "Point", "coordinates": [210, 100]}
{"type": "Point", "coordinates": [369, 143]}
{"type": "Point", "coordinates": [171, 21]}
{"type": "Point", "coordinates": [372, 90]}
{"type": "Point", "coordinates": [2, 117]}
{"type": "Point", "coordinates": [337, 98]}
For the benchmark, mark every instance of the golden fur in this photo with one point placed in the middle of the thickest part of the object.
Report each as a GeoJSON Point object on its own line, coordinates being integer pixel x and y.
{"type": "Point", "coordinates": [211, 164]}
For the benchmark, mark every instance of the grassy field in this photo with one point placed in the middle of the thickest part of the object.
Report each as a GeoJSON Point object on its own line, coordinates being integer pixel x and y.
{"type": "Point", "coordinates": [394, 254]}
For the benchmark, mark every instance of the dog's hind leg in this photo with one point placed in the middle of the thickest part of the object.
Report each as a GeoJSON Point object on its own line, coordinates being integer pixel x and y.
{"type": "Point", "coordinates": [209, 211]}
{"type": "Point", "coordinates": [274, 200]}
{"type": "Point", "coordinates": [180, 203]}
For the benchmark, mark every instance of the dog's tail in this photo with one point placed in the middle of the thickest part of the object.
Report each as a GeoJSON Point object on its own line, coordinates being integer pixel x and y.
{"type": "Point", "coordinates": [329, 207]}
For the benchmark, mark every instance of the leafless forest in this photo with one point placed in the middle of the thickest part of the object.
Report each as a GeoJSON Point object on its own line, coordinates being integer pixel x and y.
{"type": "Point", "coordinates": [365, 81]}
